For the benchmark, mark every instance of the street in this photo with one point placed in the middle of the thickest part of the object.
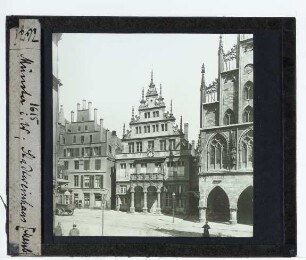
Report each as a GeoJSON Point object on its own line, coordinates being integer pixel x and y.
{"type": "Point", "coordinates": [117, 223]}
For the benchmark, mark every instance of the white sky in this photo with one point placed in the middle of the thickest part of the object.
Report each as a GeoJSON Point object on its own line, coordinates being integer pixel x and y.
{"type": "Point", "coordinates": [111, 69]}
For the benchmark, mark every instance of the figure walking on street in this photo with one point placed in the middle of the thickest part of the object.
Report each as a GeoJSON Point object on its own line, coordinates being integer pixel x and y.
{"type": "Point", "coordinates": [74, 231]}
{"type": "Point", "coordinates": [206, 230]}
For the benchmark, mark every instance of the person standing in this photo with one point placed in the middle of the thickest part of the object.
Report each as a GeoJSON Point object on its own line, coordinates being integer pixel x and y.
{"type": "Point", "coordinates": [206, 230]}
{"type": "Point", "coordinates": [58, 230]}
{"type": "Point", "coordinates": [74, 231]}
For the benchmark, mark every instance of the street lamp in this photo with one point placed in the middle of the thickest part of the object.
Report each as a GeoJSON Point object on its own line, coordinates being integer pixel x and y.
{"type": "Point", "coordinates": [103, 199]}
{"type": "Point", "coordinates": [173, 200]}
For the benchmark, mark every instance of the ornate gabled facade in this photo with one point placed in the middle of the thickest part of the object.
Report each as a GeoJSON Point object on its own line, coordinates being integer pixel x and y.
{"type": "Point", "coordinates": [87, 158]}
{"type": "Point", "coordinates": [226, 137]}
{"type": "Point", "coordinates": [155, 160]}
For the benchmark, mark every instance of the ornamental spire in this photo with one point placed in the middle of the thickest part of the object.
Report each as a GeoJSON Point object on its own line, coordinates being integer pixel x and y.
{"type": "Point", "coordinates": [132, 113]}
{"type": "Point", "coordinates": [220, 44]}
{"type": "Point", "coordinates": [181, 123]}
{"type": "Point", "coordinates": [160, 89]}
{"type": "Point", "coordinates": [171, 108]}
{"type": "Point", "coordinates": [152, 76]}
{"type": "Point", "coordinates": [123, 132]}
{"type": "Point", "coordinates": [203, 76]}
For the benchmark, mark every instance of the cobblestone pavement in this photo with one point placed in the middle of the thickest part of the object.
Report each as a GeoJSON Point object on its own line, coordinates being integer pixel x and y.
{"type": "Point", "coordinates": [116, 223]}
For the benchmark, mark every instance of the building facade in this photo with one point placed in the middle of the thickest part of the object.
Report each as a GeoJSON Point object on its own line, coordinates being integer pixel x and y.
{"type": "Point", "coordinates": [153, 170]}
{"type": "Point", "coordinates": [226, 137]}
{"type": "Point", "coordinates": [87, 158]}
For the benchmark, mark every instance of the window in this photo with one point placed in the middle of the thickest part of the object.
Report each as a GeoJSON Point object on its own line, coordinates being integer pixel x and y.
{"type": "Point", "coordinates": [148, 129]}
{"type": "Point", "coordinates": [162, 145]}
{"type": "Point", "coordinates": [97, 164]}
{"type": "Point", "coordinates": [86, 181]}
{"type": "Point", "coordinates": [122, 165]}
{"type": "Point", "coordinates": [83, 151]}
{"type": "Point", "coordinates": [109, 149]}
{"type": "Point", "coordinates": [123, 189]}
{"type": "Point", "coordinates": [86, 164]}
{"type": "Point", "coordinates": [153, 113]}
{"type": "Point", "coordinates": [217, 153]}
{"type": "Point", "coordinates": [143, 168]}
{"type": "Point", "coordinates": [88, 151]}
{"type": "Point", "coordinates": [131, 147]}
{"type": "Point", "coordinates": [229, 117]}
{"type": "Point", "coordinates": [76, 181]}
{"type": "Point", "coordinates": [97, 150]}
{"type": "Point", "coordinates": [153, 128]}
{"type": "Point", "coordinates": [180, 203]}
{"type": "Point", "coordinates": [168, 200]}
{"type": "Point", "coordinates": [86, 127]}
{"type": "Point", "coordinates": [98, 182]}
{"type": "Point", "coordinates": [151, 144]}
{"type": "Point", "coordinates": [65, 152]}
{"type": "Point", "coordinates": [77, 152]}
{"type": "Point", "coordinates": [64, 140]}
{"type": "Point", "coordinates": [82, 139]}
{"type": "Point", "coordinates": [157, 168]}
{"type": "Point", "coordinates": [145, 115]}
{"type": "Point", "coordinates": [246, 150]}
{"type": "Point", "coordinates": [145, 129]}
{"type": "Point", "coordinates": [148, 114]}
{"type": "Point", "coordinates": [166, 127]}
{"type": "Point", "coordinates": [139, 147]}
{"type": "Point", "coordinates": [79, 128]}
{"type": "Point", "coordinates": [248, 114]}
{"type": "Point", "coordinates": [140, 129]}
{"type": "Point", "coordinates": [248, 90]}
{"type": "Point", "coordinates": [83, 118]}
{"type": "Point", "coordinates": [136, 129]}
{"type": "Point", "coordinates": [171, 144]}
{"type": "Point", "coordinates": [76, 165]}
{"type": "Point", "coordinates": [90, 138]}
{"type": "Point", "coordinates": [66, 165]}
{"type": "Point", "coordinates": [156, 126]}
{"type": "Point", "coordinates": [74, 139]}
{"type": "Point", "coordinates": [163, 127]}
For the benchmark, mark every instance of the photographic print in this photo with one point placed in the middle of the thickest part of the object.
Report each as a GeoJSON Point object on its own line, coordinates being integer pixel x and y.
{"type": "Point", "coordinates": [152, 135]}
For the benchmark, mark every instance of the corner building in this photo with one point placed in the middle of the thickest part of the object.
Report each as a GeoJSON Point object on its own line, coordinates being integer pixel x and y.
{"type": "Point", "coordinates": [87, 158]}
{"type": "Point", "coordinates": [226, 137]}
{"type": "Point", "coordinates": [155, 160]}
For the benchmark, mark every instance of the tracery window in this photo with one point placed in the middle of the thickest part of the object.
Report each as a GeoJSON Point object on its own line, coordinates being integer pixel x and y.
{"type": "Point", "coordinates": [229, 117]}
{"type": "Point", "coordinates": [246, 150]}
{"type": "Point", "coordinates": [248, 114]}
{"type": "Point", "coordinates": [217, 153]}
{"type": "Point", "coordinates": [248, 90]}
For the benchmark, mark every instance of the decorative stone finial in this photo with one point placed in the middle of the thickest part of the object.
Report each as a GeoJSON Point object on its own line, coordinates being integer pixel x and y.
{"type": "Point", "coordinates": [220, 44]}
{"type": "Point", "coordinates": [132, 113]}
{"type": "Point", "coordinates": [171, 107]}
{"type": "Point", "coordinates": [123, 129]}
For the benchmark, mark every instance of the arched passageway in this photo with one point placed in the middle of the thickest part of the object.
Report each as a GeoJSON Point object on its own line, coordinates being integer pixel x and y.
{"type": "Point", "coordinates": [218, 206]}
{"type": "Point", "coordinates": [152, 199]}
{"type": "Point", "coordinates": [138, 198]}
{"type": "Point", "coordinates": [245, 206]}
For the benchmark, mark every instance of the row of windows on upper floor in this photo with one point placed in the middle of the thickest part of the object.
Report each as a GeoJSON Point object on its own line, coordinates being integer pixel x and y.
{"type": "Point", "coordinates": [148, 114]}
{"type": "Point", "coordinates": [178, 189]}
{"type": "Point", "coordinates": [81, 139]}
{"type": "Point", "coordinates": [157, 165]}
{"type": "Point", "coordinates": [229, 116]}
{"type": "Point", "coordinates": [220, 157]}
{"type": "Point", "coordinates": [155, 128]}
{"type": "Point", "coordinates": [85, 165]}
{"type": "Point", "coordinates": [88, 181]}
{"type": "Point", "coordinates": [85, 151]}
{"type": "Point", "coordinates": [151, 145]}
{"type": "Point", "coordinates": [247, 93]}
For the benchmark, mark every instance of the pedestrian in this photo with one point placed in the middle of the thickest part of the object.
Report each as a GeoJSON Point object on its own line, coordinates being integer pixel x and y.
{"type": "Point", "coordinates": [74, 231]}
{"type": "Point", "coordinates": [58, 230]}
{"type": "Point", "coordinates": [206, 228]}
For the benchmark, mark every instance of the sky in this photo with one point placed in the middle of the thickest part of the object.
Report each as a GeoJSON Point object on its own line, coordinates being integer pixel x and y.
{"type": "Point", "coordinates": [110, 70]}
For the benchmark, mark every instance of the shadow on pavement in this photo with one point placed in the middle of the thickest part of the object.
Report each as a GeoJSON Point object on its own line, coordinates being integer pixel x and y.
{"type": "Point", "coordinates": [177, 233]}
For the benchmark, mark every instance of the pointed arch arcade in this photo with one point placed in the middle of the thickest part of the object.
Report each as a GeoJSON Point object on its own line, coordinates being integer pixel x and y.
{"type": "Point", "coordinates": [245, 206]}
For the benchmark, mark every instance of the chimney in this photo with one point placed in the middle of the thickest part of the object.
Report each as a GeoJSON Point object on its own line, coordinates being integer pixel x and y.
{"type": "Point", "coordinates": [84, 104]}
{"type": "Point", "coordinates": [114, 133]}
{"type": "Point", "coordinates": [72, 116]}
{"type": "Point", "coordinates": [186, 131]}
{"type": "Point", "coordinates": [66, 127]}
{"type": "Point", "coordinates": [101, 130]}
{"type": "Point", "coordinates": [89, 109]}
{"type": "Point", "coordinates": [79, 106]}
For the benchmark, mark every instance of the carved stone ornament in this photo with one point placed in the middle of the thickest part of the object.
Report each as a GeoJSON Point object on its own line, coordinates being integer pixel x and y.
{"type": "Point", "coordinates": [229, 77]}
{"type": "Point", "coordinates": [248, 69]}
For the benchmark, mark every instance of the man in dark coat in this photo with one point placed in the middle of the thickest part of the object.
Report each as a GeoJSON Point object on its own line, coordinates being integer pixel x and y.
{"type": "Point", "coordinates": [206, 228]}
{"type": "Point", "coordinates": [74, 231]}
